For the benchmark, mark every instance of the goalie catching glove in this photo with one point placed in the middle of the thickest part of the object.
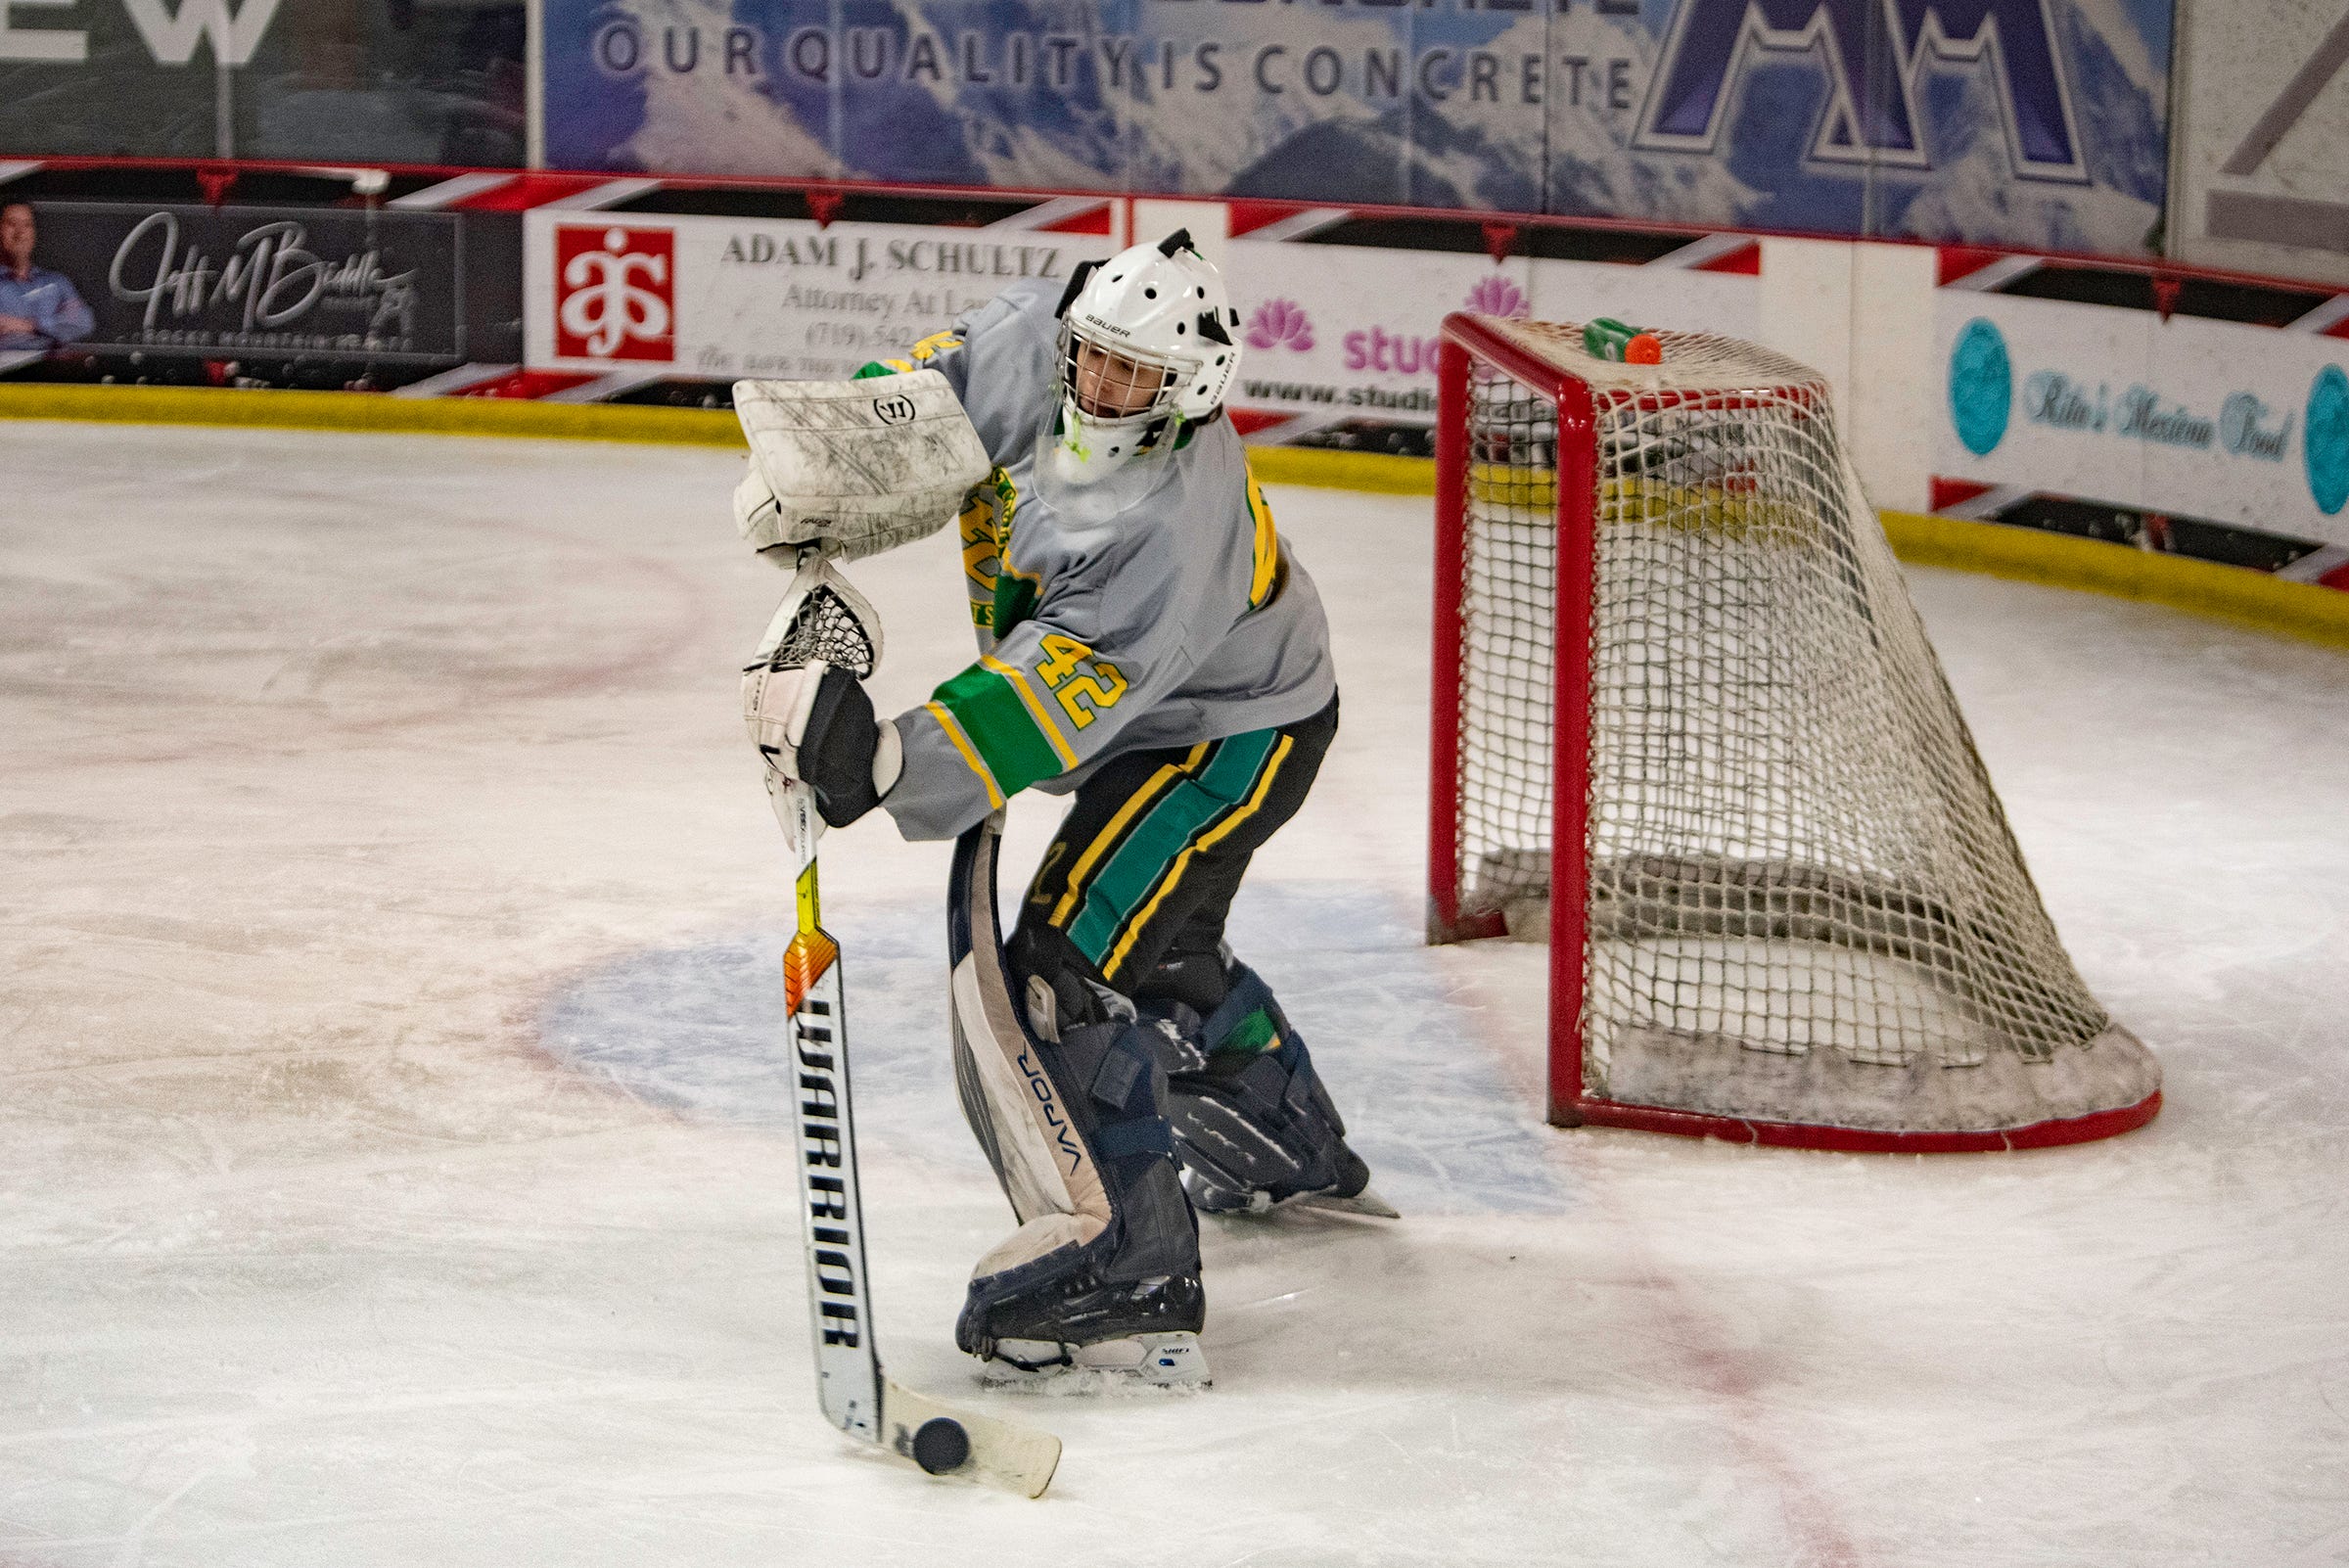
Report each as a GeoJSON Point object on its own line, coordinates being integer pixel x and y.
{"type": "Point", "coordinates": [804, 700]}
{"type": "Point", "coordinates": [815, 724]}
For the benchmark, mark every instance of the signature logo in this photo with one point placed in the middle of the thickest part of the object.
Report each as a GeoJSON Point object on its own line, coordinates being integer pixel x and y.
{"type": "Point", "coordinates": [615, 293]}
{"type": "Point", "coordinates": [271, 279]}
{"type": "Point", "coordinates": [897, 410]}
{"type": "Point", "coordinates": [1874, 104]}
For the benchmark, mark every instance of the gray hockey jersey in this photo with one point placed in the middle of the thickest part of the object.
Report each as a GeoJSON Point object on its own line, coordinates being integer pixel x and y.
{"type": "Point", "coordinates": [1155, 607]}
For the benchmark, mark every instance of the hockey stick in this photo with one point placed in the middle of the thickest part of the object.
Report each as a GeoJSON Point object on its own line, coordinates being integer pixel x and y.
{"type": "Point", "coordinates": [820, 618]}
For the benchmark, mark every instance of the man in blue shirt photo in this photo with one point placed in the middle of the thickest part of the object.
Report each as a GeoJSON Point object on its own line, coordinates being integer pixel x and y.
{"type": "Point", "coordinates": [39, 308]}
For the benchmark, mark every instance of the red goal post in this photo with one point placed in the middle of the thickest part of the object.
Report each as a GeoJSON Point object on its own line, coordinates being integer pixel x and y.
{"type": "Point", "coordinates": [1782, 902]}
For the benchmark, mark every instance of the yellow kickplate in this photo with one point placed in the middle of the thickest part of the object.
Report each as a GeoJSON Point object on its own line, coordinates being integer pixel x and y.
{"type": "Point", "coordinates": [372, 412]}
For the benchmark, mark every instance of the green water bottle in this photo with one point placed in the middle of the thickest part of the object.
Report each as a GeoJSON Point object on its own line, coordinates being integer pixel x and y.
{"type": "Point", "coordinates": [1624, 345]}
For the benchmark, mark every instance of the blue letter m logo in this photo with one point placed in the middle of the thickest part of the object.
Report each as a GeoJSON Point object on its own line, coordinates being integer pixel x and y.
{"type": "Point", "coordinates": [1874, 75]}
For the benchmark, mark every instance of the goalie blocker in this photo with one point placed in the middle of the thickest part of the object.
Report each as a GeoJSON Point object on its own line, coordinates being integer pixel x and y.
{"type": "Point", "coordinates": [857, 467]}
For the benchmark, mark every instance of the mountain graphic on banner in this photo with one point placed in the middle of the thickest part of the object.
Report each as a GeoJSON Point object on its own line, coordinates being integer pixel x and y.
{"type": "Point", "coordinates": [1438, 106]}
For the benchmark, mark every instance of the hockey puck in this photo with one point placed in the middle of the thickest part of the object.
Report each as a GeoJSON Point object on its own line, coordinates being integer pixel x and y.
{"type": "Point", "coordinates": [940, 1445]}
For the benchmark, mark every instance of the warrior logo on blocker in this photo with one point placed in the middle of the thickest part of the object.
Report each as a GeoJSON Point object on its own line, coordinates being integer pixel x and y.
{"type": "Point", "coordinates": [615, 292]}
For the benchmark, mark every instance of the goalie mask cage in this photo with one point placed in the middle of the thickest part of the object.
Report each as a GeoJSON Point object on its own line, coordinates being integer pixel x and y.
{"type": "Point", "coordinates": [1686, 720]}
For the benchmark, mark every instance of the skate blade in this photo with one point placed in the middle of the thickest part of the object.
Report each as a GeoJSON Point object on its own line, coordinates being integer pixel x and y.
{"type": "Point", "coordinates": [1363, 1202]}
{"type": "Point", "coordinates": [1138, 1361]}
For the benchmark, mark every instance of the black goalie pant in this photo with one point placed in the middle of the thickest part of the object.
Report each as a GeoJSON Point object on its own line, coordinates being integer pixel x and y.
{"type": "Point", "coordinates": [1135, 887]}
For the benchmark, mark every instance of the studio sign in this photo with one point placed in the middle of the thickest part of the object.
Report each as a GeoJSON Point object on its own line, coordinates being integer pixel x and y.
{"type": "Point", "coordinates": [270, 278]}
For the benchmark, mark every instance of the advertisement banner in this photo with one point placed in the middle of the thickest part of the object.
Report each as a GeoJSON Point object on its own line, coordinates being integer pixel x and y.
{"type": "Point", "coordinates": [2027, 122]}
{"type": "Point", "coordinates": [719, 297]}
{"type": "Point", "coordinates": [420, 81]}
{"type": "Point", "coordinates": [223, 282]}
{"type": "Point", "coordinates": [2244, 426]}
{"type": "Point", "coordinates": [1351, 331]}
{"type": "Point", "coordinates": [1344, 331]}
{"type": "Point", "coordinates": [2262, 138]}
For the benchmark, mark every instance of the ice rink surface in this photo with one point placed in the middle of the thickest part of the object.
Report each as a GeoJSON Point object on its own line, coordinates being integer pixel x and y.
{"type": "Point", "coordinates": [392, 1164]}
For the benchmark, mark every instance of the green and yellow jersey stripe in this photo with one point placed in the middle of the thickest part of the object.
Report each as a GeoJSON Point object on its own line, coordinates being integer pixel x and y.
{"type": "Point", "coordinates": [1006, 725]}
{"type": "Point", "coordinates": [970, 753]}
{"type": "Point", "coordinates": [1232, 818]}
{"type": "Point", "coordinates": [1141, 801]}
{"type": "Point", "coordinates": [1267, 548]}
{"type": "Point", "coordinates": [1036, 707]}
{"type": "Point", "coordinates": [1137, 859]}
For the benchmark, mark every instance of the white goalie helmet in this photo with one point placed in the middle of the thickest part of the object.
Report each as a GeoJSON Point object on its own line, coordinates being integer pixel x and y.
{"type": "Point", "coordinates": [1146, 345]}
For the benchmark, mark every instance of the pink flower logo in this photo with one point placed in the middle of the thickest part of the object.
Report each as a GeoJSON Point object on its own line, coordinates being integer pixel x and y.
{"type": "Point", "coordinates": [1279, 322]}
{"type": "Point", "coordinates": [1496, 296]}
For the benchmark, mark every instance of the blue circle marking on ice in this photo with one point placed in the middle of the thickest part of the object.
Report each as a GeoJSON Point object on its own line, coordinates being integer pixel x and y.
{"type": "Point", "coordinates": [2325, 439]}
{"type": "Point", "coordinates": [699, 1030]}
{"type": "Point", "coordinates": [1981, 387]}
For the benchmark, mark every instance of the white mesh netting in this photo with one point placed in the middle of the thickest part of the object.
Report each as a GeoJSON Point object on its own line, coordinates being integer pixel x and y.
{"type": "Point", "coordinates": [1804, 901]}
{"type": "Point", "coordinates": [827, 627]}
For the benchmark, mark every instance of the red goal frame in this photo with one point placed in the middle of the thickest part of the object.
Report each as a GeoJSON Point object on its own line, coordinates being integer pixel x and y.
{"type": "Point", "coordinates": [1467, 339]}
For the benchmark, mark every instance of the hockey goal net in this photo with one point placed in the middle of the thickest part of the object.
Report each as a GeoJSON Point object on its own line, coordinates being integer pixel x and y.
{"type": "Point", "coordinates": [1689, 725]}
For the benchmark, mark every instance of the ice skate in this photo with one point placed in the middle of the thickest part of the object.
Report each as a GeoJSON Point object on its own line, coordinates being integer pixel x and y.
{"type": "Point", "coordinates": [1254, 1124]}
{"type": "Point", "coordinates": [1065, 1292]}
